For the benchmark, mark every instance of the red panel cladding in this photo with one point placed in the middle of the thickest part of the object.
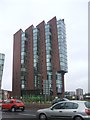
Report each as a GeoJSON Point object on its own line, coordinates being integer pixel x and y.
{"type": "Point", "coordinates": [55, 52]}
{"type": "Point", "coordinates": [42, 51]}
{"type": "Point", "coordinates": [29, 62]}
{"type": "Point", "coordinates": [30, 58]}
{"type": "Point", "coordinates": [16, 89]}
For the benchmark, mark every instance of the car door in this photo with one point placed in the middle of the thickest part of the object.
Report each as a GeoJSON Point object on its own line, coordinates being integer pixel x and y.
{"type": "Point", "coordinates": [70, 109]}
{"type": "Point", "coordinates": [7, 104]}
{"type": "Point", "coordinates": [64, 110]}
{"type": "Point", "coordinates": [57, 110]}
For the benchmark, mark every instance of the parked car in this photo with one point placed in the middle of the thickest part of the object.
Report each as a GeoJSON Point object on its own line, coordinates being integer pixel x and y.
{"type": "Point", "coordinates": [13, 105]}
{"type": "Point", "coordinates": [75, 110]}
{"type": "Point", "coordinates": [56, 100]}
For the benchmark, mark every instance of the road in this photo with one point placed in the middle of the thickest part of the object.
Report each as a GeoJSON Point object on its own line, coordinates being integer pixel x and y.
{"type": "Point", "coordinates": [28, 114]}
{"type": "Point", "coordinates": [18, 115]}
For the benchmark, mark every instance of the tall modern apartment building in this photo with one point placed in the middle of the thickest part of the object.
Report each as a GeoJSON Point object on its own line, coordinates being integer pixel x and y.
{"type": "Point", "coordinates": [40, 59]}
{"type": "Point", "coordinates": [2, 58]}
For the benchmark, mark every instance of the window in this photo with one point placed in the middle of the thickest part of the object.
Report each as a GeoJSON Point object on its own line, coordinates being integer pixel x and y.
{"type": "Point", "coordinates": [22, 61]}
{"type": "Point", "coordinates": [23, 34]}
{"type": "Point", "coordinates": [49, 64]}
{"type": "Point", "coordinates": [7, 101]}
{"type": "Point", "coordinates": [59, 106]}
{"type": "Point", "coordinates": [23, 69]}
{"type": "Point", "coordinates": [49, 77]}
{"type": "Point", "coordinates": [23, 86]}
{"type": "Point", "coordinates": [58, 76]}
{"type": "Point", "coordinates": [75, 106]}
{"type": "Point", "coordinates": [48, 48]}
{"type": "Point", "coordinates": [48, 52]}
{"type": "Point", "coordinates": [1, 72]}
{"type": "Point", "coordinates": [22, 77]}
{"type": "Point", "coordinates": [23, 53]}
{"type": "Point", "coordinates": [35, 30]}
{"type": "Point", "coordinates": [49, 68]}
{"type": "Point", "coordinates": [0, 77]}
{"type": "Point", "coordinates": [48, 56]}
{"type": "Point", "coordinates": [1, 62]}
{"type": "Point", "coordinates": [48, 45]}
{"type": "Point", "coordinates": [18, 101]}
{"type": "Point", "coordinates": [87, 104]}
{"type": "Point", "coordinates": [70, 105]}
{"type": "Point", "coordinates": [2, 56]}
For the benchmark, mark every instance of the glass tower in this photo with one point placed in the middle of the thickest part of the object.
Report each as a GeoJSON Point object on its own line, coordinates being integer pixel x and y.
{"type": "Point", "coordinates": [2, 57]}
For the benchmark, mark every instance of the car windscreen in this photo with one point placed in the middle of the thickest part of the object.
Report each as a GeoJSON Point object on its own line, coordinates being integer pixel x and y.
{"type": "Point", "coordinates": [87, 104]}
{"type": "Point", "coordinates": [18, 101]}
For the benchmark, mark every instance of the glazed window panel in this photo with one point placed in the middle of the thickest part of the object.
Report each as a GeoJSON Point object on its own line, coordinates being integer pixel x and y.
{"type": "Point", "coordinates": [49, 64]}
{"type": "Point", "coordinates": [0, 77]}
{"type": "Point", "coordinates": [49, 68]}
{"type": "Point", "coordinates": [22, 61]}
{"type": "Point", "coordinates": [1, 62]}
{"type": "Point", "coordinates": [1, 72]}
{"type": "Point", "coordinates": [48, 56]}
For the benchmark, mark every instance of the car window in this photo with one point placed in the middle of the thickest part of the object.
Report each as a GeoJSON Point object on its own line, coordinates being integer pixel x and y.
{"type": "Point", "coordinates": [7, 101]}
{"type": "Point", "coordinates": [87, 104]}
{"type": "Point", "coordinates": [75, 105]}
{"type": "Point", "coordinates": [71, 105]}
{"type": "Point", "coordinates": [59, 106]}
{"type": "Point", "coordinates": [18, 101]}
{"type": "Point", "coordinates": [68, 105]}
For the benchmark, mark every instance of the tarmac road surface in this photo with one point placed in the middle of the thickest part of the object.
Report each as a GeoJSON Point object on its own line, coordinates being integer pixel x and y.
{"type": "Point", "coordinates": [18, 115]}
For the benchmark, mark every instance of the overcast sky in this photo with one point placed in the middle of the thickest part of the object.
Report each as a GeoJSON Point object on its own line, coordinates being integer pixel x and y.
{"type": "Point", "coordinates": [16, 14]}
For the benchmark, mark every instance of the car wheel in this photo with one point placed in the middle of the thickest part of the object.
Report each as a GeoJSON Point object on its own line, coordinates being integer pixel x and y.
{"type": "Point", "coordinates": [42, 117]}
{"type": "Point", "coordinates": [78, 118]}
{"type": "Point", "coordinates": [13, 109]}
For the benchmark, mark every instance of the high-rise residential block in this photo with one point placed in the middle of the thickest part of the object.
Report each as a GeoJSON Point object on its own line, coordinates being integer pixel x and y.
{"type": "Point", "coordinates": [40, 59]}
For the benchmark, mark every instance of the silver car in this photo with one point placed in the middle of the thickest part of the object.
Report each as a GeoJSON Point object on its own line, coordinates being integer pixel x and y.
{"type": "Point", "coordinates": [75, 110]}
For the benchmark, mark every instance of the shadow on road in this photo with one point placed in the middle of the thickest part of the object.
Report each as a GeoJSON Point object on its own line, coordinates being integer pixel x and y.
{"type": "Point", "coordinates": [27, 119]}
{"type": "Point", "coordinates": [19, 119]}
